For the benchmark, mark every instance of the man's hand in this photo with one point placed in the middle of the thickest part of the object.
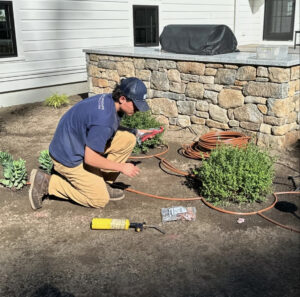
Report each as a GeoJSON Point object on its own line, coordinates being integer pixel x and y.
{"type": "Point", "coordinates": [130, 170]}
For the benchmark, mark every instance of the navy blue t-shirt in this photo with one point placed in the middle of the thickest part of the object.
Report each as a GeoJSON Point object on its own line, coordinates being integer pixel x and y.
{"type": "Point", "coordinates": [90, 122]}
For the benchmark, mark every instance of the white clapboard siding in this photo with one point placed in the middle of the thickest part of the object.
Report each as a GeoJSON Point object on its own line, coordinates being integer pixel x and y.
{"type": "Point", "coordinates": [197, 12]}
{"type": "Point", "coordinates": [51, 35]}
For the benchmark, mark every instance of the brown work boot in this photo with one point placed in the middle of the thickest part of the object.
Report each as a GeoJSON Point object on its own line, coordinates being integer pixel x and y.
{"type": "Point", "coordinates": [39, 188]}
{"type": "Point", "coordinates": [115, 193]}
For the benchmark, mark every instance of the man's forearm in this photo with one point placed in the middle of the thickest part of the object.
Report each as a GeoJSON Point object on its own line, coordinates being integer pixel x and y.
{"type": "Point", "coordinates": [94, 159]}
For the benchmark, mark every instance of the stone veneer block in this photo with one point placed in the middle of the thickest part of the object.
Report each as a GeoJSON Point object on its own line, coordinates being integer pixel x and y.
{"type": "Point", "coordinates": [229, 98]}
{"type": "Point", "coordinates": [159, 81]}
{"type": "Point", "coordinates": [279, 75]}
{"type": "Point", "coordinates": [191, 68]}
{"type": "Point", "coordinates": [246, 73]}
{"type": "Point", "coordinates": [195, 90]}
{"type": "Point", "coordinates": [261, 89]}
{"type": "Point", "coordinates": [248, 113]}
{"type": "Point", "coordinates": [163, 106]}
{"type": "Point", "coordinates": [225, 76]}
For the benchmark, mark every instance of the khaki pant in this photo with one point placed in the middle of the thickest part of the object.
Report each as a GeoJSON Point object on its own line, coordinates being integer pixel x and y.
{"type": "Point", "coordinates": [86, 185]}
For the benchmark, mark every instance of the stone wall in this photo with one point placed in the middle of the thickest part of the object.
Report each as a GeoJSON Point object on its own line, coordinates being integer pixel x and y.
{"type": "Point", "coordinates": [262, 102]}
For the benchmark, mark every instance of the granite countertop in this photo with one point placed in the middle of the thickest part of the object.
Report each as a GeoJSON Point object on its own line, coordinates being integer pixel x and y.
{"type": "Point", "coordinates": [247, 58]}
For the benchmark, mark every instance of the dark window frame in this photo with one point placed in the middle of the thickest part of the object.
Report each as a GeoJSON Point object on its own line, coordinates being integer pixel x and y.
{"type": "Point", "coordinates": [10, 28]}
{"type": "Point", "coordinates": [154, 42]}
{"type": "Point", "coordinates": [283, 36]}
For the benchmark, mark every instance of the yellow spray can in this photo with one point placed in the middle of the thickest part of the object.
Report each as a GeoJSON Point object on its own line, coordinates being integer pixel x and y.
{"type": "Point", "coordinates": [119, 224]}
{"type": "Point", "coordinates": [108, 224]}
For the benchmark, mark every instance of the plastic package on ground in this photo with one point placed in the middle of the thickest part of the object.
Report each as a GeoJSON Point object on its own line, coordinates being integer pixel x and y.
{"type": "Point", "coordinates": [272, 52]}
{"type": "Point", "coordinates": [177, 213]}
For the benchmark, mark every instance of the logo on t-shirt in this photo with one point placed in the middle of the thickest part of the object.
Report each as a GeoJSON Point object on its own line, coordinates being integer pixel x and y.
{"type": "Point", "coordinates": [101, 102]}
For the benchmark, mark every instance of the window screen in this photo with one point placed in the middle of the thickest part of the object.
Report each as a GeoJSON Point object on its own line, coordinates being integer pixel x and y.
{"type": "Point", "coordinates": [145, 24]}
{"type": "Point", "coordinates": [8, 47]}
{"type": "Point", "coordinates": [279, 19]}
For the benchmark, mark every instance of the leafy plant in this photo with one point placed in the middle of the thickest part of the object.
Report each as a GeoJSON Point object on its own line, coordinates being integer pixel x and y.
{"type": "Point", "coordinates": [233, 174]}
{"type": "Point", "coordinates": [45, 161]}
{"type": "Point", "coordinates": [5, 158]}
{"type": "Point", "coordinates": [14, 173]}
{"type": "Point", "coordinates": [57, 100]}
{"type": "Point", "coordinates": [143, 120]}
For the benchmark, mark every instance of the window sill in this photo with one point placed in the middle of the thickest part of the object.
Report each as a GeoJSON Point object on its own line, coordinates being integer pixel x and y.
{"type": "Point", "coordinates": [12, 59]}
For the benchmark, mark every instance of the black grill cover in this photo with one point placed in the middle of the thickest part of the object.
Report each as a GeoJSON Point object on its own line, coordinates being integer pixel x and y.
{"type": "Point", "coordinates": [198, 39]}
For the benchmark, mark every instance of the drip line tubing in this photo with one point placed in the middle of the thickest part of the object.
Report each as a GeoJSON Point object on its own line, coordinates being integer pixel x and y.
{"type": "Point", "coordinates": [211, 141]}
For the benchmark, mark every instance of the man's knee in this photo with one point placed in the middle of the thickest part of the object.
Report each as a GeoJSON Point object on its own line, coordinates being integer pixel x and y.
{"type": "Point", "coordinates": [128, 140]}
{"type": "Point", "coordinates": [98, 202]}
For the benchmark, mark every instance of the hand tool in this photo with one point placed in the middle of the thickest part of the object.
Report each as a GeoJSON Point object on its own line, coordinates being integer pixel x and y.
{"type": "Point", "coordinates": [119, 224]}
{"type": "Point", "coordinates": [141, 137]}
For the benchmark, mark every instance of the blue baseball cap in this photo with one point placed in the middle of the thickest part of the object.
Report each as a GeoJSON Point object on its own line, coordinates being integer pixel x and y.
{"type": "Point", "coordinates": [135, 90]}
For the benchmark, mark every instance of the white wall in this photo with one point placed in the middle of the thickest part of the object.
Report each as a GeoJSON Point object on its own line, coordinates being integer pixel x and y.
{"type": "Point", "coordinates": [52, 33]}
{"type": "Point", "coordinates": [50, 38]}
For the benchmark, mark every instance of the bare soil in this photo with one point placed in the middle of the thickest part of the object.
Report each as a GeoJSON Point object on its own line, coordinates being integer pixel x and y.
{"type": "Point", "coordinates": [53, 251]}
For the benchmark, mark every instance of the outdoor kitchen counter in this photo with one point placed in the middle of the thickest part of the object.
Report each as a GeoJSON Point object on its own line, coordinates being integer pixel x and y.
{"type": "Point", "coordinates": [244, 58]}
{"type": "Point", "coordinates": [235, 91]}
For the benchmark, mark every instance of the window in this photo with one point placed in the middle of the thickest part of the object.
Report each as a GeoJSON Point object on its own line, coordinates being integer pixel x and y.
{"type": "Point", "coordinates": [145, 24]}
{"type": "Point", "coordinates": [279, 20]}
{"type": "Point", "coordinates": [8, 47]}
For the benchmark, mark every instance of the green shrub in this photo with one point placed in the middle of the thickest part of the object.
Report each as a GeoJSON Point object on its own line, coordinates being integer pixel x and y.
{"type": "Point", "coordinates": [14, 173]}
{"type": "Point", "coordinates": [45, 161]}
{"type": "Point", "coordinates": [143, 120]}
{"type": "Point", "coordinates": [57, 101]}
{"type": "Point", "coordinates": [238, 175]}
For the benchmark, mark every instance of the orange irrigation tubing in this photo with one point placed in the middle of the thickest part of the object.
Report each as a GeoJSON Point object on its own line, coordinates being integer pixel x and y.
{"type": "Point", "coordinates": [151, 156]}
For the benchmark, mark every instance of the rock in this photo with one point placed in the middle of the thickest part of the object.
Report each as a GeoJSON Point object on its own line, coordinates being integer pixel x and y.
{"type": "Point", "coordinates": [279, 75]}
{"type": "Point", "coordinates": [273, 121]}
{"type": "Point", "coordinates": [276, 142]}
{"type": "Point", "coordinates": [262, 108]}
{"type": "Point", "coordinates": [261, 89]}
{"type": "Point", "coordinates": [218, 125]}
{"type": "Point", "coordinates": [174, 75]}
{"type": "Point", "coordinates": [163, 106]}
{"type": "Point", "coordinates": [206, 79]}
{"type": "Point", "coordinates": [195, 90]}
{"type": "Point", "coordinates": [229, 98]}
{"type": "Point", "coordinates": [295, 72]}
{"type": "Point", "coordinates": [248, 113]}
{"type": "Point", "coordinates": [214, 65]}
{"type": "Point", "coordinates": [198, 121]}
{"type": "Point", "coordinates": [183, 121]}
{"type": "Point", "coordinates": [210, 71]}
{"type": "Point", "coordinates": [125, 69]}
{"type": "Point", "coordinates": [217, 113]}
{"type": "Point", "coordinates": [159, 81]}
{"type": "Point", "coordinates": [213, 87]}
{"type": "Point", "coordinates": [202, 114]}
{"type": "Point", "coordinates": [280, 107]}
{"type": "Point", "coordinates": [264, 128]}
{"type": "Point", "coordinates": [143, 74]}
{"type": "Point", "coordinates": [262, 71]}
{"type": "Point", "coordinates": [186, 107]}
{"type": "Point", "coordinates": [253, 99]}
{"type": "Point", "coordinates": [282, 130]}
{"type": "Point", "coordinates": [233, 123]}
{"type": "Point", "coordinates": [262, 79]}
{"type": "Point", "coordinates": [191, 67]}
{"type": "Point", "coordinates": [111, 75]}
{"type": "Point", "coordinates": [139, 63]}
{"type": "Point", "coordinates": [250, 126]}
{"type": "Point", "coordinates": [93, 71]}
{"type": "Point", "coordinates": [202, 105]}
{"type": "Point", "coordinates": [189, 77]}
{"type": "Point", "coordinates": [213, 96]}
{"type": "Point", "coordinates": [106, 64]}
{"type": "Point", "coordinates": [151, 64]}
{"type": "Point", "coordinates": [167, 64]}
{"type": "Point", "coordinates": [246, 73]}
{"type": "Point", "coordinates": [229, 66]}
{"type": "Point", "coordinates": [177, 87]}
{"type": "Point", "coordinates": [225, 76]}
{"type": "Point", "coordinates": [162, 120]}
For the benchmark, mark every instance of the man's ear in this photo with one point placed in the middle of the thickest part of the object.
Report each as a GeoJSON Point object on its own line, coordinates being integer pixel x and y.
{"type": "Point", "coordinates": [122, 99]}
